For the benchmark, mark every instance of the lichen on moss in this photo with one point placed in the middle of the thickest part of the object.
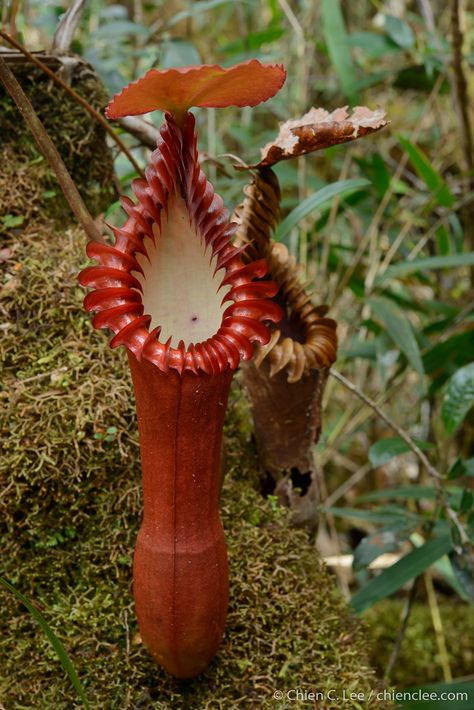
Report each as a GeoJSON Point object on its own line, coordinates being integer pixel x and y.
{"type": "Point", "coordinates": [70, 511]}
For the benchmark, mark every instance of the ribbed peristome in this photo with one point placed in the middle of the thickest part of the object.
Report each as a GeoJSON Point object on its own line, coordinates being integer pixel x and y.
{"type": "Point", "coordinates": [174, 171]}
{"type": "Point", "coordinates": [305, 339]}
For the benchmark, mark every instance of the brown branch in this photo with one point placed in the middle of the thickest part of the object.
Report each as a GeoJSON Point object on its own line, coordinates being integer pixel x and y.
{"type": "Point", "coordinates": [462, 101]}
{"type": "Point", "coordinates": [393, 425]}
{"type": "Point", "coordinates": [67, 26]}
{"type": "Point", "coordinates": [145, 132]}
{"type": "Point", "coordinates": [432, 472]}
{"type": "Point", "coordinates": [49, 151]}
{"type": "Point", "coordinates": [462, 97]}
{"type": "Point", "coordinates": [77, 97]}
{"type": "Point", "coordinates": [13, 14]}
{"type": "Point", "coordinates": [403, 627]}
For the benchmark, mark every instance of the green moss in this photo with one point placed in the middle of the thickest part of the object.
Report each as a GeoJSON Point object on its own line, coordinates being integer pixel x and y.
{"type": "Point", "coordinates": [27, 186]}
{"type": "Point", "coordinates": [419, 656]}
{"type": "Point", "coordinates": [69, 513]}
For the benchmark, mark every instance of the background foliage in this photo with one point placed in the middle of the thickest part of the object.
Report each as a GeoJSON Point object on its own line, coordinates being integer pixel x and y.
{"type": "Point", "coordinates": [394, 259]}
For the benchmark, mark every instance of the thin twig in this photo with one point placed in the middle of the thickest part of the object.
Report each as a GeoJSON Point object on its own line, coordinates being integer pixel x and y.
{"type": "Point", "coordinates": [461, 89]}
{"type": "Point", "coordinates": [144, 131]}
{"type": "Point", "coordinates": [403, 627]}
{"type": "Point", "coordinates": [13, 13]}
{"type": "Point", "coordinates": [393, 425]}
{"type": "Point", "coordinates": [462, 101]}
{"type": "Point", "coordinates": [427, 13]}
{"type": "Point", "coordinates": [432, 472]}
{"type": "Point", "coordinates": [49, 151]}
{"type": "Point", "coordinates": [348, 484]}
{"type": "Point", "coordinates": [77, 97]}
{"type": "Point", "coordinates": [41, 376]}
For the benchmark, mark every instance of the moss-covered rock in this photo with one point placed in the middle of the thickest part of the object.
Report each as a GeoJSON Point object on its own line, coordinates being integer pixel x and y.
{"type": "Point", "coordinates": [28, 188]}
{"type": "Point", "coordinates": [70, 506]}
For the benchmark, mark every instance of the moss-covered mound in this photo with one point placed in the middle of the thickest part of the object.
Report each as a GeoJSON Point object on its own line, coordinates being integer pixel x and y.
{"type": "Point", "coordinates": [28, 188]}
{"type": "Point", "coordinates": [69, 513]}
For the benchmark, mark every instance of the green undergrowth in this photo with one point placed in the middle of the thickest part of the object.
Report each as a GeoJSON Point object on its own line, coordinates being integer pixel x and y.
{"type": "Point", "coordinates": [70, 505]}
{"type": "Point", "coordinates": [419, 654]}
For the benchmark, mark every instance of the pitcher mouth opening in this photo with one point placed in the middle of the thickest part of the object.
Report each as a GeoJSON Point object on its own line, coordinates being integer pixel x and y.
{"type": "Point", "coordinates": [179, 262]}
{"type": "Point", "coordinates": [173, 288]}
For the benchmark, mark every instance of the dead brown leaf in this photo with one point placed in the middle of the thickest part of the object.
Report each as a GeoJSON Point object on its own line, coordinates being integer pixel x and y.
{"type": "Point", "coordinates": [320, 129]}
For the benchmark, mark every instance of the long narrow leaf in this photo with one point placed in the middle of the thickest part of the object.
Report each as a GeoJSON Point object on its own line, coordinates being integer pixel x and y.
{"type": "Point", "coordinates": [457, 695]}
{"type": "Point", "coordinates": [196, 8]}
{"type": "Point", "coordinates": [459, 398]}
{"type": "Point", "coordinates": [449, 261]}
{"type": "Point", "coordinates": [321, 199]}
{"type": "Point", "coordinates": [399, 329]}
{"type": "Point", "coordinates": [430, 176]}
{"type": "Point", "coordinates": [381, 515]}
{"type": "Point", "coordinates": [390, 447]}
{"type": "Point", "coordinates": [53, 639]}
{"type": "Point", "coordinates": [413, 492]}
{"type": "Point", "coordinates": [409, 567]}
{"type": "Point", "coordinates": [337, 42]}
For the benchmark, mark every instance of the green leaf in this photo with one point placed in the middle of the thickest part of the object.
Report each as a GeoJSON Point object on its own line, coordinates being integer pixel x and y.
{"type": "Point", "coordinates": [373, 44]}
{"type": "Point", "coordinates": [463, 568]}
{"type": "Point", "coordinates": [375, 169]}
{"type": "Point", "coordinates": [337, 42]}
{"type": "Point", "coordinates": [321, 199]}
{"type": "Point", "coordinates": [390, 447]}
{"type": "Point", "coordinates": [178, 53]}
{"type": "Point", "coordinates": [196, 9]}
{"type": "Point", "coordinates": [399, 329]}
{"type": "Point", "coordinates": [453, 350]}
{"type": "Point", "coordinates": [384, 540]}
{"type": "Point", "coordinates": [459, 398]}
{"type": "Point", "coordinates": [457, 695]}
{"type": "Point", "coordinates": [428, 174]}
{"type": "Point", "coordinates": [393, 578]}
{"type": "Point", "coordinates": [361, 348]}
{"type": "Point", "coordinates": [252, 42]}
{"type": "Point", "coordinates": [399, 32]}
{"type": "Point", "coordinates": [444, 568]}
{"type": "Point", "coordinates": [461, 468]}
{"type": "Point", "coordinates": [52, 638]}
{"type": "Point", "coordinates": [10, 221]}
{"type": "Point", "coordinates": [431, 262]}
{"type": "Point", "coordinates": [381, 515]}
{"type": "Point", "coordinates": [413, 492]}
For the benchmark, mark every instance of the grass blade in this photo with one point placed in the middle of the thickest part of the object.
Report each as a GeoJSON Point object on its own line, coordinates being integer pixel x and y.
{"type": "Point", "coordinates": [413, 492]}
{"type": "Point", "coordinates": [337, 42]}
{"type": "Point", "coordinates": [409, 567]}
{"type": "Point", "coordinates": [431, 177]}
{"type": "Point", "coordinates": [398, 328]}
{"type": "Point", "coordinates": [431, 262]}
{"type": "Point", "coordinates": [53, 639]}
{"type": "Point", "coordinates": [320, 199]}
{"type": "Point", "coordinates": [390, 447]}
